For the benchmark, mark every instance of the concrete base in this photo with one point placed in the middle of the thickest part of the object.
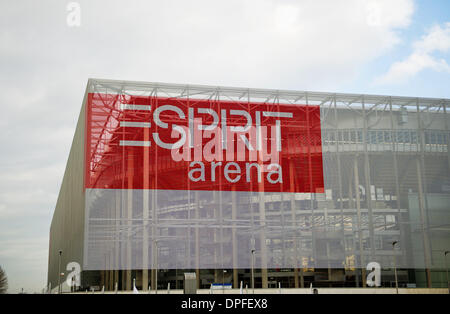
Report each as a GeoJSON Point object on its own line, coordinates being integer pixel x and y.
{"type": "Point", "coordinates": [298, 291]}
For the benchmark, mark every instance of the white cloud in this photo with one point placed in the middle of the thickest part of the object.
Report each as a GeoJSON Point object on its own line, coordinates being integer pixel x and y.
{"type": "Point", "coordinates": [388, 13]}
{"type": "Point", "coordinates": [436, 40]}
{"type": "Point", "coordinates": [260, 43]}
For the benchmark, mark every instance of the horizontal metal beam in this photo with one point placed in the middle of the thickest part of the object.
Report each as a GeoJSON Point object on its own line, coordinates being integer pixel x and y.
{"type": "Point", "coordinates": [131, 87]}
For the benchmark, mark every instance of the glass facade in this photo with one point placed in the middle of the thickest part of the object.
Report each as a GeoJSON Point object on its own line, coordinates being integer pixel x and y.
{"type": "Point", "coordinates": [384, 197]}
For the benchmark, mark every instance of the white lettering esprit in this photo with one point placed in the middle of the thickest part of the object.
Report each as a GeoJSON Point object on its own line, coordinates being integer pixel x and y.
{"type": "Point", "coordinates": [195, 124]}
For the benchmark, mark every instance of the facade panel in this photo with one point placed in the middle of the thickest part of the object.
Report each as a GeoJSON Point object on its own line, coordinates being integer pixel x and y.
{"type": "Point", "coordinates": [368, 182]}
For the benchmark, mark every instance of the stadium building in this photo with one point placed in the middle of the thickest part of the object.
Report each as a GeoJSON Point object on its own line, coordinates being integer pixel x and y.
{"type": "Point", "coordinates": [252, 185]}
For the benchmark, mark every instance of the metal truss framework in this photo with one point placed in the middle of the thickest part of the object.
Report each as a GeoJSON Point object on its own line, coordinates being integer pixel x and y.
{"type": "Point", "coordinates": [386, 165]}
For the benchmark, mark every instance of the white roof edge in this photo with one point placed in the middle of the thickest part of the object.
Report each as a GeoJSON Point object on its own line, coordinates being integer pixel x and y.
{"type": "Point", "coordinates": [313, 96]}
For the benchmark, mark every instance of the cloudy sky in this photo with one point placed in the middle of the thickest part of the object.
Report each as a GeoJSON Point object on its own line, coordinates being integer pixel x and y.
{"type": "Point", "coordinates": [395, 47]}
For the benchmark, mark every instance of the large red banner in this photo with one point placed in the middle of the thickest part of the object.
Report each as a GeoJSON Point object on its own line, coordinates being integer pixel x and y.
{"type": "Point", "coordinates": [145, 142]}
